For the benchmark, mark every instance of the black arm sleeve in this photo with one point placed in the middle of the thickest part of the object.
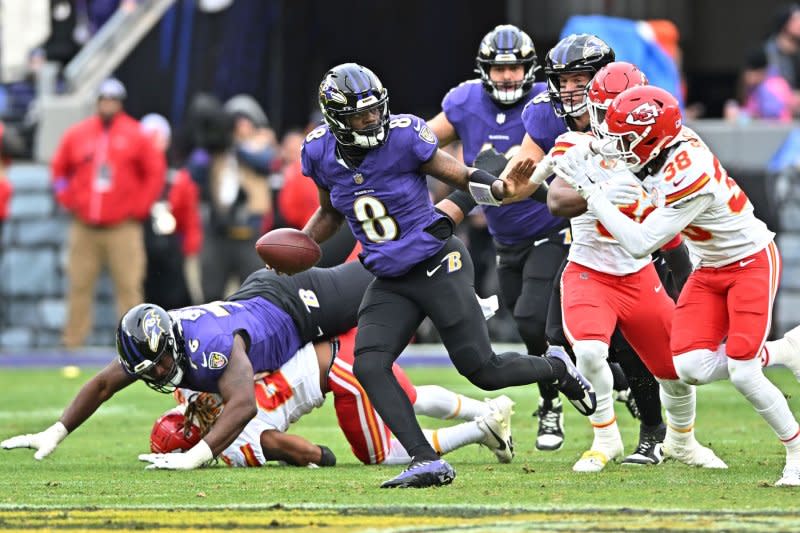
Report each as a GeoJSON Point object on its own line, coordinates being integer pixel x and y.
{"type": "Point", "coordinates": [463, 200]}
{"type": "Point", "coordinates": [679, 263]}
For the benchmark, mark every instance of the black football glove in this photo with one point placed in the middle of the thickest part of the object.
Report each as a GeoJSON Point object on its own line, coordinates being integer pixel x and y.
{"type": "Point", "coordinates": [491, 161]}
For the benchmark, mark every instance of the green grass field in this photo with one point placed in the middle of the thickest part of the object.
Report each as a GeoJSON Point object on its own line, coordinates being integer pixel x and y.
{"type": "Point", "coordinates": [94, 481]}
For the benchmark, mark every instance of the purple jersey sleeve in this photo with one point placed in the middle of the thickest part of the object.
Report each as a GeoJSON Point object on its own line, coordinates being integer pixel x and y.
{"type": "Point", "coordinates": [420, 138]}
{"type": "Point", "coordinates": [310, 152]}
{"type": "Point", "coordinates": [541, 122]}
{"type": "Point", "coordinates": [208, 330]}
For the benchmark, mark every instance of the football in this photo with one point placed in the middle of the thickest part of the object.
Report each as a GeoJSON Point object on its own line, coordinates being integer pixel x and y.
{"type": "Point", "coordinates": [288, 250]}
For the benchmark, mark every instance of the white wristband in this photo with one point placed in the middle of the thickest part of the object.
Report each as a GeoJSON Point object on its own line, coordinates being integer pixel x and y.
{"type": "Point", "coordinates": [542, 171]}
{"type": "Point", "coordinates": [482, 194]}
{"type": "Point", "coordinates": [58, 430]}
{"type": "Point", "coordinates": [200, 454]}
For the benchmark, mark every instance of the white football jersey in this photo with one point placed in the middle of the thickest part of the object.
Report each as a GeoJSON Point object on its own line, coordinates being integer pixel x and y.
{"type": "Point", "coordinates": [727, 230]}
{"type": "Point", "coordinates": [283, 397]}
{"type": "Point", "coordinates": [592, 244]}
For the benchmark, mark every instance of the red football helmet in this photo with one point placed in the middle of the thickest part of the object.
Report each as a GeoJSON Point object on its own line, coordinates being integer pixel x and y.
{"type": "Point", "coordinates": [639, 123]}
{"type": "Point", "coordinates": [609, 81]}
{"type": "Point", "coordinates": [169, 436]}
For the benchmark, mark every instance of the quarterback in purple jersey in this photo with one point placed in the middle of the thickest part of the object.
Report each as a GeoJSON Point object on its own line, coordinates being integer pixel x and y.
{"type": "Point", "coordinates": [531, 243]}
{"type": "Point", "coordinates": [370, 168]}
{"type": "Point", "coordinates": [216, 347]}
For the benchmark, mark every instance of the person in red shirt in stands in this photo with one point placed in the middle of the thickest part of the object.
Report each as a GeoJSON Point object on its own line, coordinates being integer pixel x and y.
{"type": "Point", "coordinates": [174, 234]}
{"type": "Point", "coordinates": [107, 174]}
{"type": "Point", "coordinates": [298, 199]}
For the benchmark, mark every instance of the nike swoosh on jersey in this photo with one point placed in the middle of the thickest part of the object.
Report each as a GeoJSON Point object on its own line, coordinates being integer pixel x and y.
{"type": "Point", "coordinates": [432, 272]}
{"type": "Point", "coordinates": [745, 263]}
{"type": "Point", "coordinates": [678, 182]}
{"type": "Point", "coordinates": [660, 286]}
{"type": "Point", "coordinates": [541, 241]}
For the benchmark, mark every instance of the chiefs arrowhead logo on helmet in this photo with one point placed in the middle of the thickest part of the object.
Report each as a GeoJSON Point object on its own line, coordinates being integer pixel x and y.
{"type": "Point", "coordinates": [644, 115]}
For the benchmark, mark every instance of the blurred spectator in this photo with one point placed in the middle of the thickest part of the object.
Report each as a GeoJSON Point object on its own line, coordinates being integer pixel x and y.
{"type": "Point", "coordinates": [238, 195]}
{"type": "Point", "coordinates": [107, 174]}
{"type": "Point", "coordinates": [173, 278]}
{"type": "Point", "coordinates": [20, 97]}
{"type": "Point", "coordinates": [765, 93]}
{"type": "Point", "coordinates": [61, 45]}
{"type": "Point", "coordinates": [11, 146]}
{"type": "Point", "coordinates": [299, 198]}
{"type": "Point", "coordinates": [783, 47]}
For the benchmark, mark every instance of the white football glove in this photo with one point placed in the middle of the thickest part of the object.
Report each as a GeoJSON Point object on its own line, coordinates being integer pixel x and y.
{"type": "Point", "coordinates": [621, 192]}
{"type": "Point", "coordinates": [489, 306]}
{"type": "Point", "coordinates": [543, 170]}
{"type": "Point", "coordinates": [44, 442]}
{"type": "Point", "coordinates": [578, 171]}
{"type": "Point", "coordinates": [197, 456]}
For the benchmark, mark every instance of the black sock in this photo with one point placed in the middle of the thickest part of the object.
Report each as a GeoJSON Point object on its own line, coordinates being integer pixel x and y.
{"type": "Point", "coordinates": [644, 387]}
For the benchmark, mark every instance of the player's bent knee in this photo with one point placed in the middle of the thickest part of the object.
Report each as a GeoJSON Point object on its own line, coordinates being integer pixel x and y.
{"type": "Point", "coordinates": [694, 367]}
{"type": "Point", "coordinates": [591, 355]}
{"type": "Point", "coordinates": [370, 364]}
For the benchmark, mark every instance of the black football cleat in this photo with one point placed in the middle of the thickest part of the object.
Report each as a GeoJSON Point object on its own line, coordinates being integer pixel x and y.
{"type": "Point", "coordinates": [421, 474]}
{"type": "Point", "coordinates": [576, 388]}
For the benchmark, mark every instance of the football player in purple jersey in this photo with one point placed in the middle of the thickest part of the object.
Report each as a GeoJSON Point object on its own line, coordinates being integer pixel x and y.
{"type": "Point", "coordinates": [216, 347]}
{"type": "Point", "coordinates": [370, 168]}
{"type": "Point", "coordinates": [486, 113]}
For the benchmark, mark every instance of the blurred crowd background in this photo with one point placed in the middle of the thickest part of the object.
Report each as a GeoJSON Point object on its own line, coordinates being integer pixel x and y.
{"type": "Point", "coordinates": [214, 97]}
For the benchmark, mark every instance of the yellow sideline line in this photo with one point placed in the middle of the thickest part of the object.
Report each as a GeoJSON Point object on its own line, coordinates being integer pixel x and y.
{"type": "Point", "coordinates": [183, 520]}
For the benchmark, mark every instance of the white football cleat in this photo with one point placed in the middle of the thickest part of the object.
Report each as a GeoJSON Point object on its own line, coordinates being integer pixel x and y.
{"type": "Point", "coordinates": [596, 458]}
{"type": "Point", "coordinates": [790, 478]}
{"type": "Point", "coordinates": [496, 427]}
{"type": "Point", "coordinates": [692, 454]}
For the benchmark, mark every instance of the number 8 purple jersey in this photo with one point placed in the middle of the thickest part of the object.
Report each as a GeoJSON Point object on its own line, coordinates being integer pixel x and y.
{"type": "Point", "coordinates": [385, 200]}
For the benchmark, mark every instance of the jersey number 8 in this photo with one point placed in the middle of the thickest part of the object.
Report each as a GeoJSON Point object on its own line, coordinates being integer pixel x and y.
{"type": "Point", "coordinates": [378, 226]}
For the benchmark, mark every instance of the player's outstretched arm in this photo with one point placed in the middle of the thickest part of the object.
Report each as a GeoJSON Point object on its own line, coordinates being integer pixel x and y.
{"type": "Point", "coordinates": [91, 396]}
{"type": "Point", "coordinates": [294, 450]}
{"type": "Point", "coordinates": [325, 221]}
{"type": "Point", "coordinates": [485, 188]}
{"type": "Point", "coordinates": [236, 389]}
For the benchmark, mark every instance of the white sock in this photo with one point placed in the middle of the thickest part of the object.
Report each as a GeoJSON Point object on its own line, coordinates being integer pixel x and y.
{"type": "Point", "coordinates": [397, 454]}
{"type": "Point", "coordinates": [769, 402]}
{"type": "Point", "coordinates": [679, 403]}
{"type": "Point", "coordinates": [445, 440]}
{"type": "Point", "coordinates": [591, 357]}
{"type": "Point", "coordinates": [438, 402]}
{"type": "Point", "coordinates": [607, 438]}
{"type": "Point", "coordinates": [782, 351]}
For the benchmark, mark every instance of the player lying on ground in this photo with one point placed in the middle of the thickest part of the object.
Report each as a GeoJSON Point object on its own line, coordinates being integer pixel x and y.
{"type": "Point", "coordinates": [301, 385]}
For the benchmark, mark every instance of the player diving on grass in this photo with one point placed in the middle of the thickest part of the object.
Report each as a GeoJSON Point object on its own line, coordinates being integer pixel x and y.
{"type": "Point", "coordinates": [301, 385]}
{"type": "Point", "coordinates": [219, 348]}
